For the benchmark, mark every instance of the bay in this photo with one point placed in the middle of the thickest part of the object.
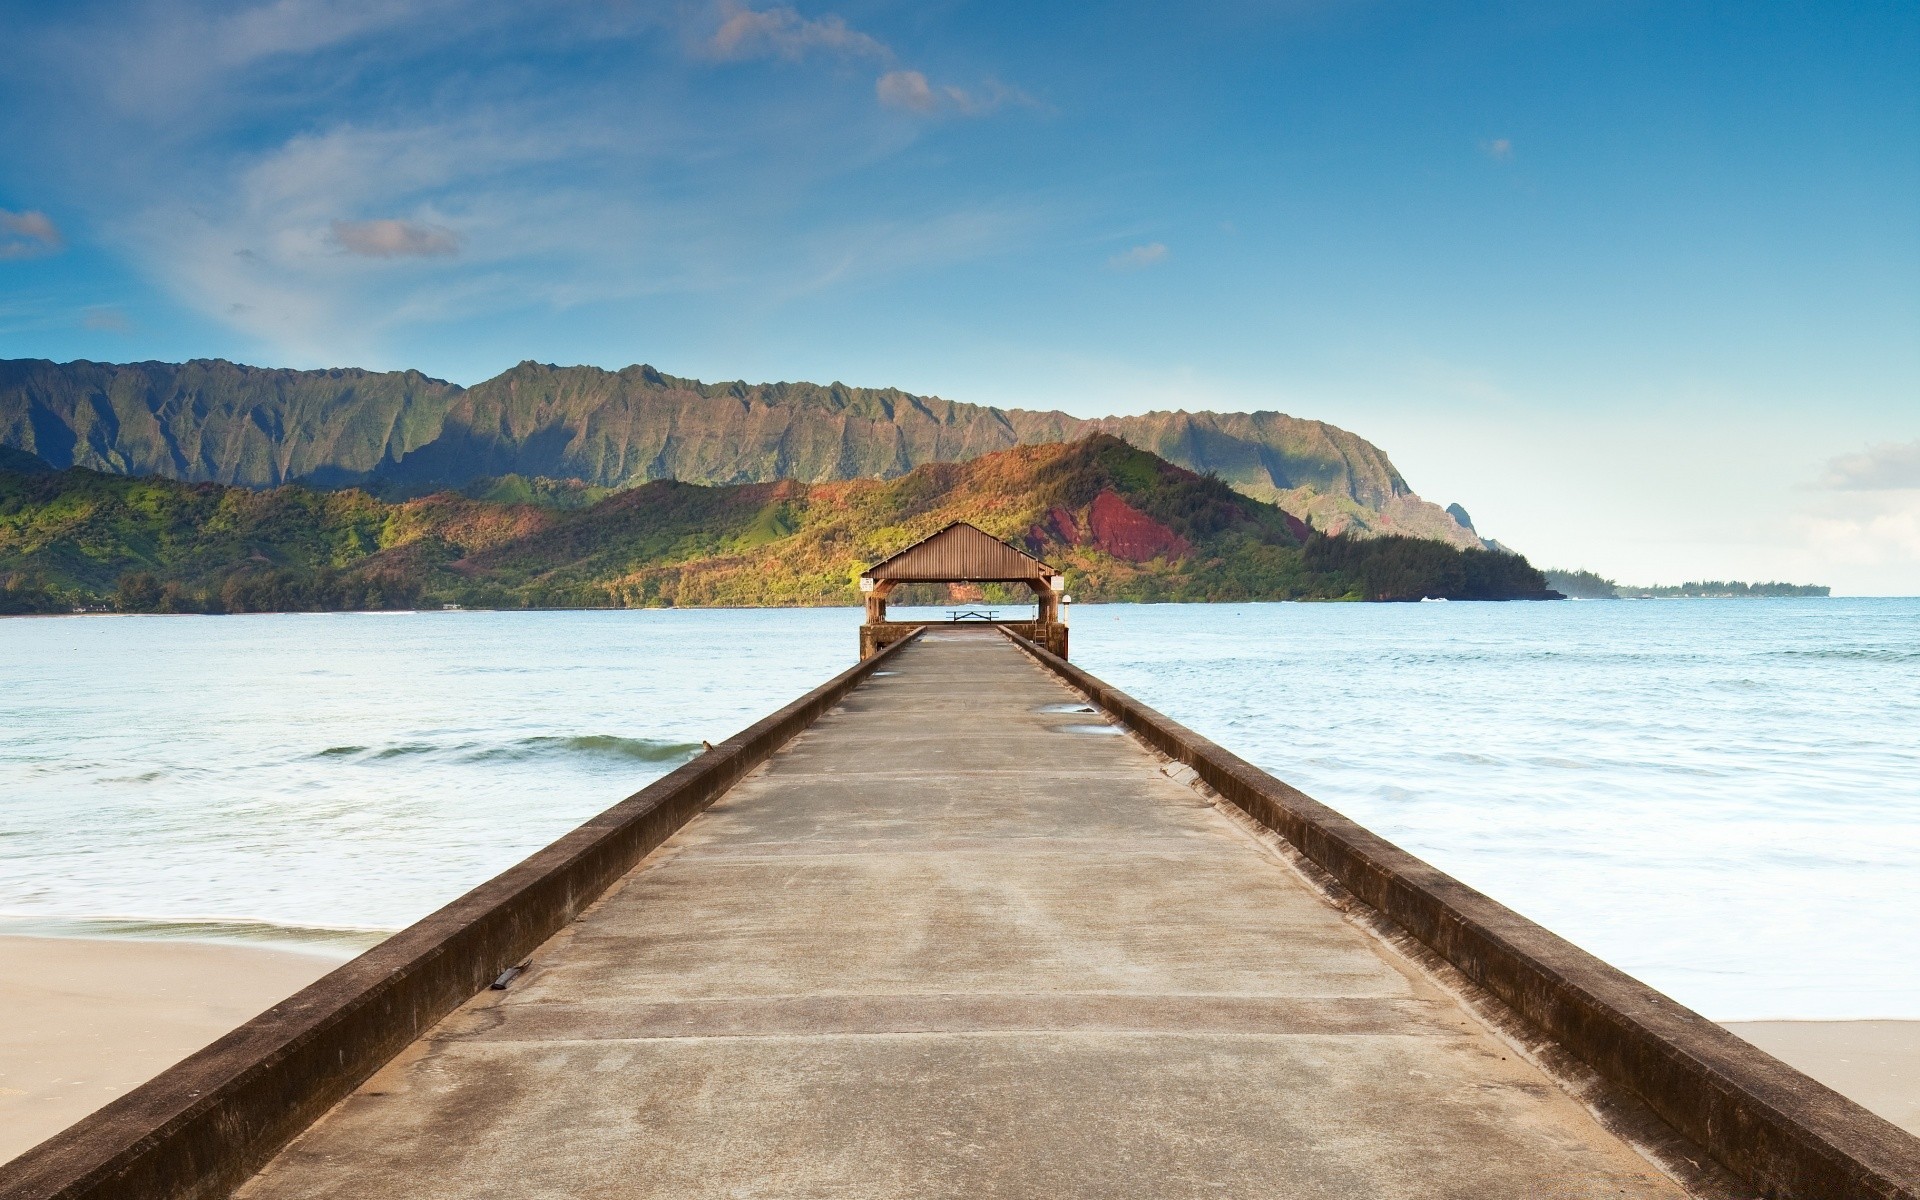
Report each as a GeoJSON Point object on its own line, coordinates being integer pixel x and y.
{"type": "Point", "coordinates": [1720, 797]}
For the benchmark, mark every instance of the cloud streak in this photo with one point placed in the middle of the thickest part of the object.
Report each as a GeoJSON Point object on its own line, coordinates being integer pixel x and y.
{"type": "Point", "coordinates": [1138, 257]}
{"type": "Point", "coordinates": [389, 238]}
{"type": "Point", "coordinates": [912, 92]}
{"type": "Point", "coordinates": [1879, 468]}
{"type": "Point", "coordinates": [28, 235]}
{"type": "Point", "coordinates": [783, 33]}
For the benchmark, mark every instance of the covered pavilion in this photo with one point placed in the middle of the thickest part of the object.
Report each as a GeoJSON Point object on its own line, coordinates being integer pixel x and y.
{"type": "Point", "coordinates": [963, 553]}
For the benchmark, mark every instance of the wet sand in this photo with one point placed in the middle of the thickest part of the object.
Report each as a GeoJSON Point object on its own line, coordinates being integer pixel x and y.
{"type": "Point", "coordinates": [1874, 1063]}
{"type": "Point", "coordinates": [89, 1019]}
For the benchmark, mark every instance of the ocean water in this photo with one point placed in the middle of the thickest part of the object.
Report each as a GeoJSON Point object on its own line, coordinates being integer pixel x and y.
{"type": "Point", "coordinates": [1720, 797]}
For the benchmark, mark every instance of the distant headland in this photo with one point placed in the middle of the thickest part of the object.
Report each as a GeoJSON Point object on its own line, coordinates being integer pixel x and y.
{"type": "Point", "coordinates": [1585, 585]}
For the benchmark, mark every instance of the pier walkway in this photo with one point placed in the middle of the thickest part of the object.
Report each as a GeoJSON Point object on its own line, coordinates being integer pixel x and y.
{"type": "Point", "coordinates": [962, 938]}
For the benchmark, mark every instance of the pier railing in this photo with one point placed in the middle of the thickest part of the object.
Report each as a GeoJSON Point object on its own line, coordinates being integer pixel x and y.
{"type": "Point", "coordinates": [201, 1127]}
{"type": "Point", "coordinates": [878, 635]}
{"type": "Point", "coordinates": [1780, 1131]}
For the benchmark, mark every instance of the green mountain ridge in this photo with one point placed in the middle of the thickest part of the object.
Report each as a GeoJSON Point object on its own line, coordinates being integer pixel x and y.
{"type": "Point", "coordinates": [1122, 523]}
{"type": "Point", "coordinates": [404, 434]}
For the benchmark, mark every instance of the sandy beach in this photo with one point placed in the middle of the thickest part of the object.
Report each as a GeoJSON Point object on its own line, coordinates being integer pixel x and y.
{"type": "Point", "coordinates": [88, 1019]}
{"type": "Point", "coordinates": [1874, 1063]}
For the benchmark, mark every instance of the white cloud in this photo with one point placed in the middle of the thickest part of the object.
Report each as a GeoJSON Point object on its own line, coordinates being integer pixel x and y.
{"type": "Point", "coordinates": [243, 187]}
{"type": "Point", "coordinates": [261, 247]}
{"type": "Point", "coordinates": [1498, 149]}
{"type": "Point", "coordinates": [907, 90]}
{"type": "Point", "coordinates": [1871, 530]}
{"type": "Point", "coordinates": [28, 235]}
{"type": "Point", "coordinates": [910, 91]}
{"type": "Point", "coordinates": [1136, 257]}
{"type": "Point", "coordinates": [390, 238]}
{"type": "Point", "coordinates": [1870, 513]}
{"type": "Point", "coordinates": [107, 320]}
{"type": "Point", "coordinates": [783, 33]}
{"type": "Point", "coordinates": [548, 216]}
{"type": "Point", "coordinates": [1880, 467]}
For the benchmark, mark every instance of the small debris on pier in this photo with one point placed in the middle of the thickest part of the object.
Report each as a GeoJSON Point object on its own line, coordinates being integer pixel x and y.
{"type": "Point", "coordinates": [508, 976]}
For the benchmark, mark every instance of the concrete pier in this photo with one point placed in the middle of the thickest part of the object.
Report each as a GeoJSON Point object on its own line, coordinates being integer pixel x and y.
{"type": "Point", "coordinates": [962, 937]}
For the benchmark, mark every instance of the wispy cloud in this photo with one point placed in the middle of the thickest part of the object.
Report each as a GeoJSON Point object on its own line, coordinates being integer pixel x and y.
{"type": "Point", "coordinates": [107, 320]}
{"type": "Point", "coordinates": [1865, 510]}
{"type": "Point", "coordinates": [133, 49]}
{"type": "Point", "coordinates": [302, 26]}
{"type": "Point", "coordinates": [327, 143]}
{"type": "Point", "coordinates": [1498, 149]}
{"type": "Point", "coordinates": [870, 250]}
{"type": "Point", "coordinates": [28, 235]}
{"type": "Point", "coordinates": [1875, 530]}
{"type": "Point", "coordinates": [1889, 466]}
{"type": "Point", "coordinates": [910, 91]}
{"type": "Point", "coordinates": [783, 33]}
{"type": "Point", "coordinates": [390, 238]}
{"type": "Point", "coordinates": [1136, 257]}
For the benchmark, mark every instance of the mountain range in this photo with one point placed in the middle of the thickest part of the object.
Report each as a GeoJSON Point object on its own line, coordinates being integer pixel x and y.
{"type": "Point", "coordinates": [1122, 523]}
{"type": "Point", "coordinates": [402, 434]}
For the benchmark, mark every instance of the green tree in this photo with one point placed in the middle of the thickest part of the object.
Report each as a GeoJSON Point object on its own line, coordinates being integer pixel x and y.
{"type": "Point", "coordinates": [137, 591]}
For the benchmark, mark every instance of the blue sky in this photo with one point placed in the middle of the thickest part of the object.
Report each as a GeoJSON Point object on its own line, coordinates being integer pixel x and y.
{"type": "Point", "coordinates": [1637, 284]}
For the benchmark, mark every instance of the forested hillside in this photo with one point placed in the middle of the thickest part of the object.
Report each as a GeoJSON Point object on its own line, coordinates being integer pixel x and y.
{"type": "Point", "coordinates": [1122, 523]}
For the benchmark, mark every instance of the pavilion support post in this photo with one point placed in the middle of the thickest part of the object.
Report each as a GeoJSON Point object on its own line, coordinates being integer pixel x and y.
{"type": "Point", "coordinates": [877, 601]}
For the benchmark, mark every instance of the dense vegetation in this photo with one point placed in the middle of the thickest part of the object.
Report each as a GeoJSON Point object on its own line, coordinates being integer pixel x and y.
{"type": "Point", "coordinates": [1122, 523]}
{"type": "Point", "coordinates": [401, 434]}
{"type": "Point", "coordinates": [1585, 585]}
{"type": "Point", "coordinates": [1716, 588]}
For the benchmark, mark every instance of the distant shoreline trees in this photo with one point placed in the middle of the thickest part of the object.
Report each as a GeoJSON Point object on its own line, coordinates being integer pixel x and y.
{"type": "Point", "coordinates": [1586, 585]}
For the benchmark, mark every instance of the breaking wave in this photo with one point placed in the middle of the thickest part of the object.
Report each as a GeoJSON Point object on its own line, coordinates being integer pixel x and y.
{"type": "Point", "coordinates": [322, 939]}
{"type": "Point", "coordinates": [603, 746]}
{"type": "Point", "coordinates": [597, 745]}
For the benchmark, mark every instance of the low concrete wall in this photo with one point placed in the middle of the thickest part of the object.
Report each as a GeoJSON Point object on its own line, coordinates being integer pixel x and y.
{"type": "Point", "coordinates": [1783, 1133]}
{"type": "Point", "coordinates": [203, 1126]}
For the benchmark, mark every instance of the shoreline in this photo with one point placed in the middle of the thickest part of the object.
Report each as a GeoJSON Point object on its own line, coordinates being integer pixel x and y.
{"type": "Point", "coordinates": [1873, 1062]}
{"type": "Point", "coordinates": [90, 1018]}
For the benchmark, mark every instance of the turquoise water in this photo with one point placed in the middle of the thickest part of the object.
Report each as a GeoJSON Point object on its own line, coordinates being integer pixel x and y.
{"type": "Point", "coordinates": [1721, 797]}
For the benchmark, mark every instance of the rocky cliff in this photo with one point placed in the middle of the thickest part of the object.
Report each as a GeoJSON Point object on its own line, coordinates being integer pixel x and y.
{"type": "Point", "coordinates": [403, 433]}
